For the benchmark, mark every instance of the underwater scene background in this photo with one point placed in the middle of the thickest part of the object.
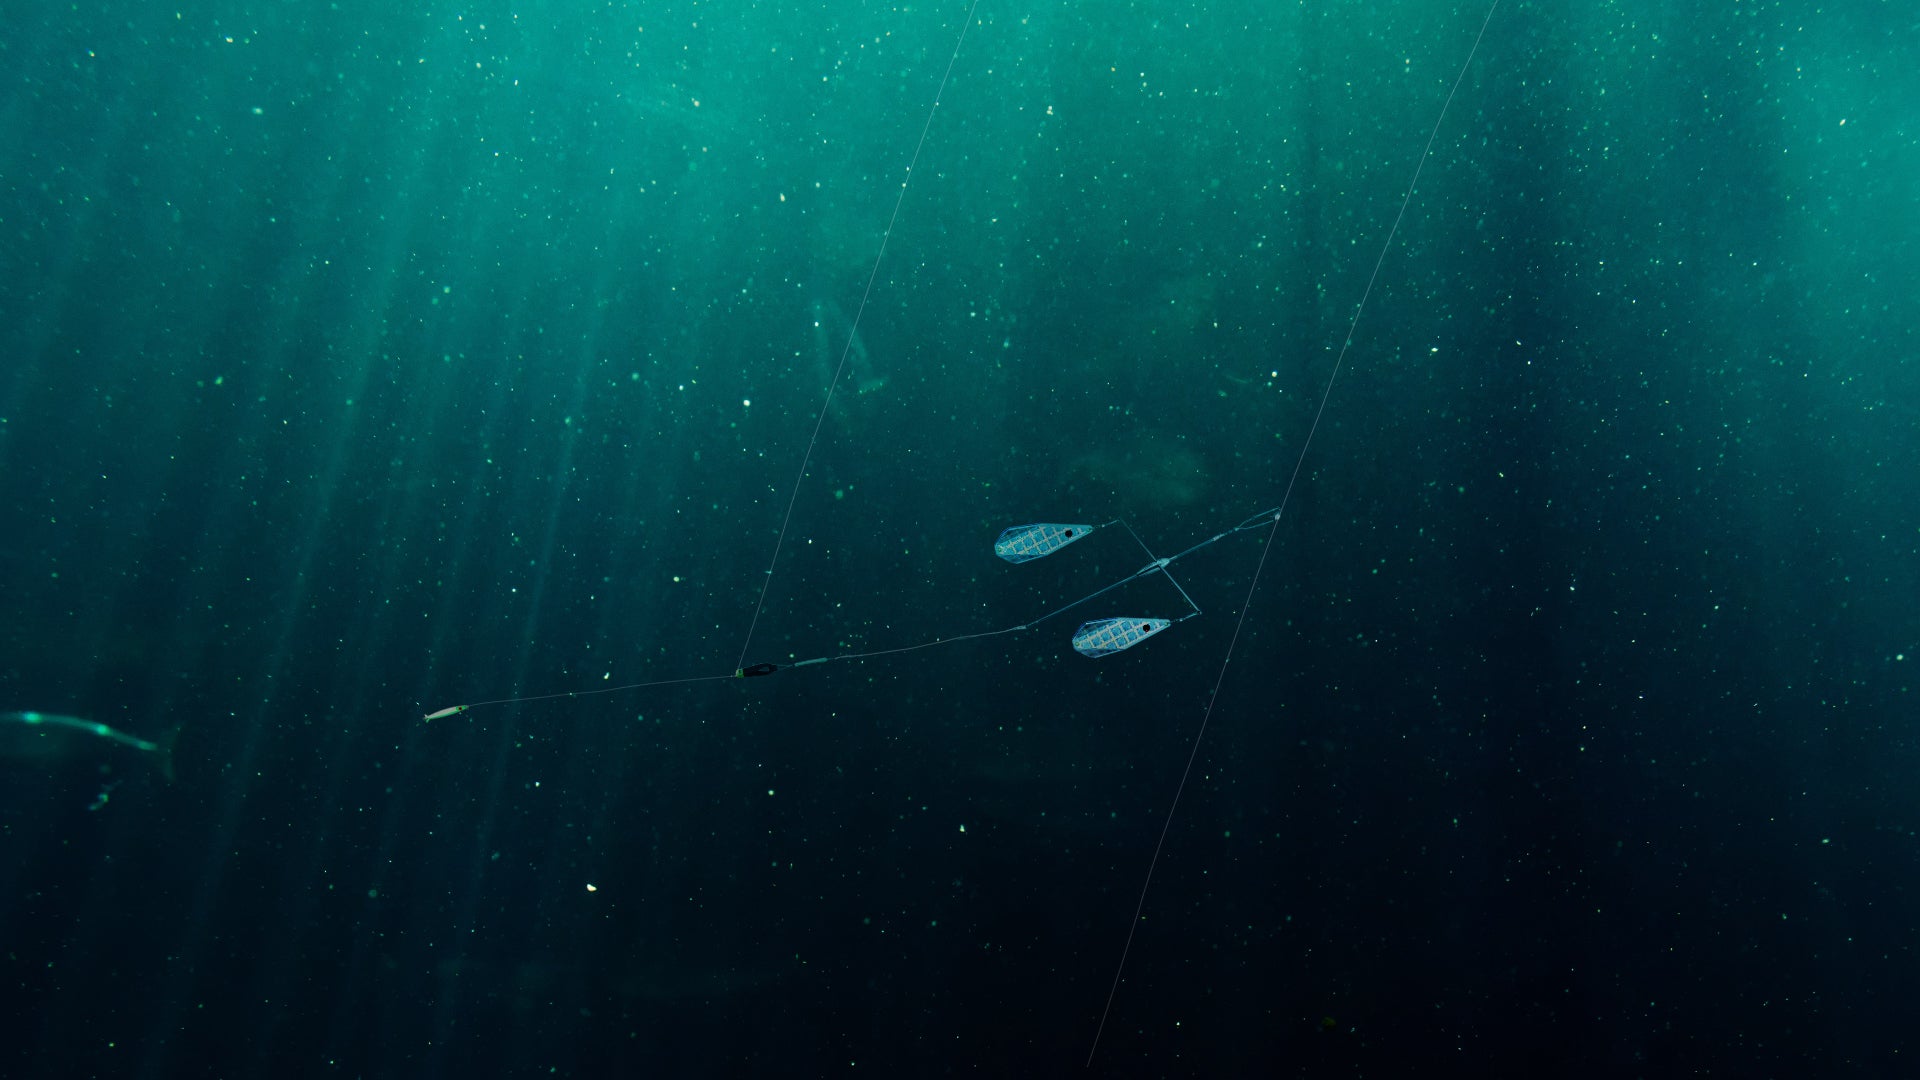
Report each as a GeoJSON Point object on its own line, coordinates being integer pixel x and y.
{"type": "Point", "coordinates": [358, 360]}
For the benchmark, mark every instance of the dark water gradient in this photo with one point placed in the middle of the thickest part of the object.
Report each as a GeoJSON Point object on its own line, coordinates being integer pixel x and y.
{"type": "Point", "coordinates": [359, 359]}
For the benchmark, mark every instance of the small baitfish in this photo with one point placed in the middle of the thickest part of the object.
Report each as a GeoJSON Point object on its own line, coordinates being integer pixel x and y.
{"type": "Point", "coordinates": [1025, 543]}
{"type": "Point", "coordinates": [38, 736]}
{"type": "Point", "coordinates": [1104, 637]}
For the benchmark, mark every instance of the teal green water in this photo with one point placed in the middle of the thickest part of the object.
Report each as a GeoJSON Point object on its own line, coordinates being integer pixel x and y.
{"type": "Point", "coordinates": [360, 360]}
